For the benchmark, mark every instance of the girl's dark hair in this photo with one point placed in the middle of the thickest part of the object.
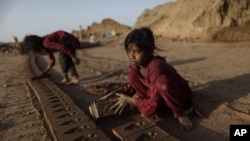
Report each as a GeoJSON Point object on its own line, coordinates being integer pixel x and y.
{"type": "Point", "coordinates": [33, 43]}
{"type": "Point", "coordinates": [143, 38]}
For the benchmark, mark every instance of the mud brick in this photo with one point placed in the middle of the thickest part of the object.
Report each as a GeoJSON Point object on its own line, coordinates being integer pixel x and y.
{"type": "Point", "coordinates": [58, 107]}
{"type": "Point", "coordinates": [79, 126]}
{"type": "Point", "coordinates": [69, 114]}
{"type": "Point", "coordinates": [45, 92]}
{"type": "Point", "coordinates": [58, 104]}
{"type": "Point", "coordinates": [50, 95]}
{"type": "Point", "coordinates": [171, 138]}
{"type": "Point", "coordinates": [132, 127]}
{"type": "Point", "coordinates": [55, 98]}
{"type": "Point", "coordinates": [101, 108]}
{"type": "Point", "coordinates": [66, 116]}
{"type": "Point", "coordinates": [56, 110]}
{"type": "Point", "coordinates": [52, 98]}
{"type": "Point", "coordinates": [55, 101]}
{"type": "Point", "coordinates": [91, 135]}
{"type": "Point", "coordinates": [151, 134]}
{"type": "Point", "coordinates": [59, 110]}
{"type": "Point", "coordinates": [69, 120]}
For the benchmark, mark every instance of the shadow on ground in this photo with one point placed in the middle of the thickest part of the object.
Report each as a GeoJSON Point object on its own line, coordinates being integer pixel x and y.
{"type": "Point", "coordinates": [209, 97]}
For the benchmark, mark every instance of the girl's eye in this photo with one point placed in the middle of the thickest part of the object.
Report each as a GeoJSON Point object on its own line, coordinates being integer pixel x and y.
{"type": "Point", "coordinates": [136, 51]}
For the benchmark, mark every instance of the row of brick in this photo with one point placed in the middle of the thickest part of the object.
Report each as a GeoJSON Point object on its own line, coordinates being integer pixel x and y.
{"type": "Point", "coordinates": [65, 120]}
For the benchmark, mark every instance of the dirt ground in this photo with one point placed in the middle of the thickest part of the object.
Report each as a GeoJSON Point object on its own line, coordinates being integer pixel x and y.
{"type": "Point", "coordinates": [20, 118]}
{"type": "Point", "coordinates": [219, 75]}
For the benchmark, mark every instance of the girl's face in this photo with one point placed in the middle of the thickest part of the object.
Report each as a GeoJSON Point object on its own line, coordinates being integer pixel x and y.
{"type": "Point", "coordinates": [136, 56]}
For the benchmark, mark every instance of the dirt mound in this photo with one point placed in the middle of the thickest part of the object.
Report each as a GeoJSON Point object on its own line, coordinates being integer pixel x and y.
{"type": "Point", "coordinates": [224, 20]}
{"type": "Point", "coordinates": [108, 26]}
{"type": "Point", "coordinates": [194, 19]}
{"type": "Point", "coordinates": [235, 33]}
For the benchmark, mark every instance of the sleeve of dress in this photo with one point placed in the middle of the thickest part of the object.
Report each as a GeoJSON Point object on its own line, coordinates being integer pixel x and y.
{"type": "Point", "coordinates": [128, 89]}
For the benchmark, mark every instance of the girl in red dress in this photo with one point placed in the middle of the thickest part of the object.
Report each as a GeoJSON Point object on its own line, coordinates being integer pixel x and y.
{"type": "Point", "coordinates": [153, 82]}
{"type": "Point", "coordinates": [61, 41]}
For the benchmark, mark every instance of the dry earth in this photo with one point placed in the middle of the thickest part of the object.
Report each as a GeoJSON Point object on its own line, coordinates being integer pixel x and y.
{"type": "Point", "coordinates": [219, 75]}
{"type": "Point", "coordinates": [20, 119]}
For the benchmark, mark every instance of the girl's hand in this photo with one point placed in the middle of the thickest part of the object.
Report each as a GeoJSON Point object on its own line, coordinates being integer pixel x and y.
{"type": "Point", "coordinates": [185, 123]}
{"type": "Point", "coordinates": [76, 61]}
{"type": "Point", "coordinates": [122, 101]}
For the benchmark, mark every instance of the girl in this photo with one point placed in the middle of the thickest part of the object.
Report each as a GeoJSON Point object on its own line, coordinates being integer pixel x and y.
{"type": "Point", "coordinates": [61, 41]}
{"type": "Point", "coordinates": [153, 82]}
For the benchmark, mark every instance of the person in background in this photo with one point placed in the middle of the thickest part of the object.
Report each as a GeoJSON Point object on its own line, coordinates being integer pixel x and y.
{"type": "Point", "coordinates": [92, 39]}
{"type": "Point", "coordinates": [153, 84]}
{"type": "Point", "coordinates": [61, 41]}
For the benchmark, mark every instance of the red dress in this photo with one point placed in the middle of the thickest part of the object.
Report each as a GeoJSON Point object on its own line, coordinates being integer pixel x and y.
{"type": "Point", "coordinates": [162, 84]}
{"type": "Point", "coordinates": [56, 42]}
{"type": "Point", "coordinates": [66, 44]}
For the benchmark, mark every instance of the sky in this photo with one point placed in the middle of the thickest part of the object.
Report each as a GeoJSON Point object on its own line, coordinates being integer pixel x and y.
{"type": "Point", "coordinates": [41, 17]}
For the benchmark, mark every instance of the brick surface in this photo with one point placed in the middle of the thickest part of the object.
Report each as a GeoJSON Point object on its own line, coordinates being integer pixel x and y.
{"type": "Point", "coordinates": [141, 129]}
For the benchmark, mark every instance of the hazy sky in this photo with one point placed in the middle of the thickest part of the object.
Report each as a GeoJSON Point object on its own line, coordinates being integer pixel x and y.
{"type": "Point", "coordinates": [22, 17]}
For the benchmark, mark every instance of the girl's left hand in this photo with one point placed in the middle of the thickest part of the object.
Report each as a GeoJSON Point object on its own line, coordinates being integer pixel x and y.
{"type": "Point", "coordinates": [122, 101]}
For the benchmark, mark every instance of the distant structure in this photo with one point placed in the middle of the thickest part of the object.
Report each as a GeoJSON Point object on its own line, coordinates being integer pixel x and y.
{"type": "Point", "coordinates": [17, 46]}
{"type": "Point", "coordinates": [108, 34]}
{"type": "Point", "coordinates": [107, 28]}
{"type": "Point", "coordinates": [80, 33]}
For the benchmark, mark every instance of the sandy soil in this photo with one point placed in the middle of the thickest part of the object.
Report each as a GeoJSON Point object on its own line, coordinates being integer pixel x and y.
{"type": "Point", "coordinates": [20, 119]}
{"type": "Point", "coordinates": [219, 75]}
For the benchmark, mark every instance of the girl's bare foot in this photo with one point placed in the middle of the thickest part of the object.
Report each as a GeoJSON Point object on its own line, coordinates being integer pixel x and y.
{"type": "Point", "coordinates": [64, 81]}
{"type": "Point", "coordinates": [73, 81]}
{"type": "Point", "coordinates": [65, 78]}
{"type": "Point", "coordinates": [185, 123]}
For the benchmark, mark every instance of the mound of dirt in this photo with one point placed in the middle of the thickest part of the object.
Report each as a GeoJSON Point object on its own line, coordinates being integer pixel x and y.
{"type": "Point", "coordinates": [99, 29]}
{"type": "Point", "coordinates": [235, 33]}
{"type": "Point", "coordinates": [194, 19]}
{"type": "Point", "coordinates": [219, 20]}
